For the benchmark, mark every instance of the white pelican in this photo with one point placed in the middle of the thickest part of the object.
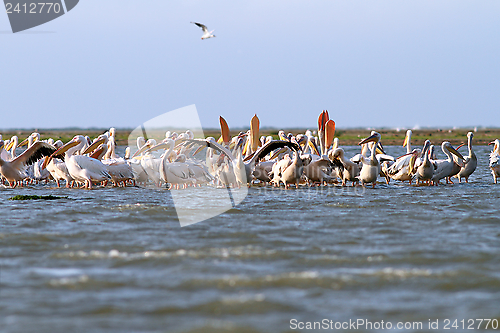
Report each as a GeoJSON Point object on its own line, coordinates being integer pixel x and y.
{"type": "Point", "coordinates": [118, 168]}
{"type": "Point", "coordinates": [175, 173]}
{"type": "Point", "coordinates": [82, 168]}
{"type": "Point", "coordinates": [58, 169]}
{"type": "Point", "coordinates": [445, 167]}
{"type": "Point", "coordinates": [206, 34]}
{"type": "Point", "coordinates": [470, 163]}
{"type": "Point", "coordinates": [13, 144]}
{"type": "Point", "coordinates": [14, 170]}
{"type": "Point", "coordinates": [200, 171]}
{"type": "Point", "coordinates": [371, 167]}
{"type": "Point", "coordinates": [319, 170]}
{"type": "Point", "coordinates": [425, 170]}
{"type": "Point", "coordinates": [350, 170]}
{"type": "Point", "coordinates": [149, 163]}
{"type": "Point", "coordinates": [140, 176]}
{"type": "Point", "coordinates": [495, 160]}
{"type": "Point", "coordinates": [403, 167]}
{"type": "Point", "coordinates": [243, 170]}
{"type": "Point", "coordinates": [4, 152]}
{"type": "Point", "coordinates": [278, 168]}
{"type": "Point", "coordinates": [292, 173]}
{"type": "Point", "coordinates": [407, 141]}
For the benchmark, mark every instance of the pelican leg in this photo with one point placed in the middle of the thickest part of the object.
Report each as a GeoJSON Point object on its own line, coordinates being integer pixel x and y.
{"type": "Point", "coordinates": [373, 185]}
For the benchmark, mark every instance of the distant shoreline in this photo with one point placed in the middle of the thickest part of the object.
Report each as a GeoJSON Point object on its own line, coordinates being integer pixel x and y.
{"type": "Point", "coordinates": [347, 137]}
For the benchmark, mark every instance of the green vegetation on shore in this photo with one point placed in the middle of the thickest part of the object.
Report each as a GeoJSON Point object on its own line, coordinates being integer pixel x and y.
{"type": "Point", "coordinates": [346, 136]}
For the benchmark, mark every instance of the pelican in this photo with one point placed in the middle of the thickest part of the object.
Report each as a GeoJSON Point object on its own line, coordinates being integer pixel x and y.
{"type": "Point", "coordinates": [243, 170]}
{"type": "Point", "coordinates": [292, 173]}
{"type": "Point", "coordinates": [58, 169]}
{"type": "Point", "coordinates": [14, 142]}
{"type": "Point", "coordinates": [82, 168]}
{"type": "Point", "coordinates": [402, 169]}
{"type": "Point", "coordinates": [14, 170]}
{"type": "Point", "coordinates": [200, 171]}
{"type": "Point", "coordinates": [445, 167]}
{"type": "Point", "coordinates": [350, 170]}
{"type": "Point", "coordinates": [278, 168]}
{"type": "Point", "coordinates": [149, 163]}
{"type": "Point", "coordinates": [470, 163]}
{"type": "Point", "coordinates": [140, 175]}
{"type": "Point", "coordinates": [425, 170]}
{"type": "Point", "coordinates": [371, 167]}
{"type": "Point", "coordinates": [118, 168]}
{"type": "Point", "coordinates": [407, 141]}
{"type": "Point", "coordinates": [319, 170]}
{"type": "Point", "coordinates": [495, 160]}
{"type": "Point", "coordinates": [206, 34]}
{"type": "Point", "coordinates": [175, 173]}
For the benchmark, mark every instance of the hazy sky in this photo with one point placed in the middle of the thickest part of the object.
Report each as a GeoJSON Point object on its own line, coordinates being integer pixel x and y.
{"type": "Point", "coordinates": [369, 63]}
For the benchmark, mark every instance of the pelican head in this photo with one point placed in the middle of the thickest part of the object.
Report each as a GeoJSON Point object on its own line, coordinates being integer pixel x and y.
{"type": "Point", "coordinates": [446, 145]}
{"type": "Point", "coordinates": [101, 139]}
{"type": "Point", "coordinates": [190, 134]}
{"type": "Point", "coordinates": [374, 137]}
{"type": "Point", "coordinates": [407, 137]}
{"type": "Point", "coordinates": [427, 145]}
{"type": "Point", "coordinates": [76, 141]}
{"type": "Point", "coordinates": [496, 144]}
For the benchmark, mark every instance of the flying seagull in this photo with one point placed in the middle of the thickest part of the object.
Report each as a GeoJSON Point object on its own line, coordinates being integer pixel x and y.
{"type": "Point", "coordinates": [206, 33]}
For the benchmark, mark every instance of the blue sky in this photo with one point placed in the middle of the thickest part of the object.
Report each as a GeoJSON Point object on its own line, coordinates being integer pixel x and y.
{"type": "Point", "coordinates": [369, 63]}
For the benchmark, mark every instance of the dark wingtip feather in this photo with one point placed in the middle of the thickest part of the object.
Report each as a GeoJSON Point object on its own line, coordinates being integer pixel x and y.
{"type": "Point", "coordinates": [45, 150]}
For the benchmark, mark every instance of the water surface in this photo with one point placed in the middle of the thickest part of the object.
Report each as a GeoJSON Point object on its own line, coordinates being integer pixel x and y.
{"type": "Point", "coordinates": [116, 260]}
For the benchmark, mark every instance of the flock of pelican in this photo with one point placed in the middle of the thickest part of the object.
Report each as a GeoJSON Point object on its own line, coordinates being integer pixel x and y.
{"type": "Point", "coordinates": [180, 160]}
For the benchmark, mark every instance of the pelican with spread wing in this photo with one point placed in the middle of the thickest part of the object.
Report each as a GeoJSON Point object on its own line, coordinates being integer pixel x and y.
{"type": "Point", "coordinates": [14, 170]}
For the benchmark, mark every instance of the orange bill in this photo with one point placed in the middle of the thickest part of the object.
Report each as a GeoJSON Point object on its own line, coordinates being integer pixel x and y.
{"type": "Point", "coordinates": [329, 133]}
{"type": "Point", "coordinates": [224, 130]}
{"type": "Point", "coordinates": [254, 132]}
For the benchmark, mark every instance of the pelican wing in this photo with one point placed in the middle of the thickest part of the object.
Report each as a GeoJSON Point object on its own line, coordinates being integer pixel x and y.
{"type": "Point", "coordinates": [202, 26]}
{"type": "Point", "coordinates": [384, 157]}
{"type": "Point", "coordinates": [325, 163]}
{"type": "Point", "coordinates": [400, 163]}
{"type": "Point", "coordinates": [494, 159]}
{"type": "Point", "coordinates": [38, 150]}
{"type": "Point", "coordinates": [212, 144]}
{"type": "Point", "coordinates": [273, 145]}
{"type": "Point", "coordinates": [91, 164]}
{"type": "Point", "coordinates": [179, 172]}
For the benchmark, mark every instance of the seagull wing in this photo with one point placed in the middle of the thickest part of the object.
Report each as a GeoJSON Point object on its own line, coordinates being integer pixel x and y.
{"type": "Point", "coordinates": [202, 26]}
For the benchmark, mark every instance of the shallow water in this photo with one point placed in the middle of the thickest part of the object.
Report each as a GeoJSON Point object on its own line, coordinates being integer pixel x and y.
{"type": "Point", "coordinates": [116, 260]}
